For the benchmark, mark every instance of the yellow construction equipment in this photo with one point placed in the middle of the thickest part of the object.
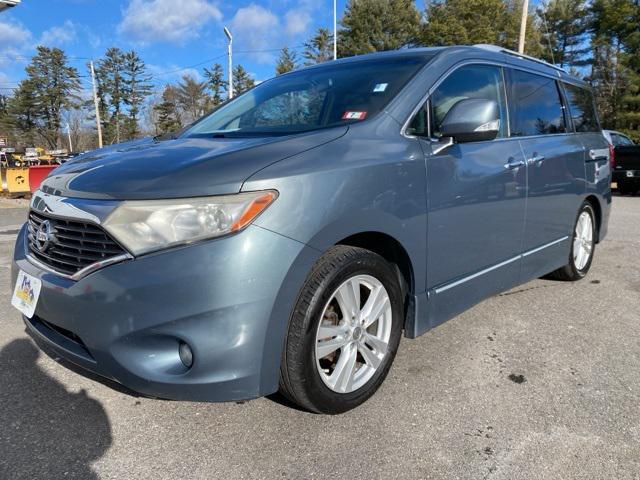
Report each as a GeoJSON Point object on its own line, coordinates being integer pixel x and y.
{"type": "Point", "coordinates": [18, 180]}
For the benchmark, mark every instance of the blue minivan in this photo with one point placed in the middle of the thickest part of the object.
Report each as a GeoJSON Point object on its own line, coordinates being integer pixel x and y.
{"type": "Point", "coordinates": [289, 238]}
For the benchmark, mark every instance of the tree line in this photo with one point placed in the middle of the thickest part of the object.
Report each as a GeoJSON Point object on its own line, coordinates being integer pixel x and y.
{"type": "Point", "coordinates": [598, 40]}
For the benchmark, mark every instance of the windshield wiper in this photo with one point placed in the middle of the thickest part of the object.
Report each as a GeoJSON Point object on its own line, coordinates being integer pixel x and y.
{"type": "Point", "coordinates": [165, 136]}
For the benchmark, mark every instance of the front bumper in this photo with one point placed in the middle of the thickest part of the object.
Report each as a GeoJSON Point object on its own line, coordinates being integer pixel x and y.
{"type": "Point", "coordinates": [229, 299]}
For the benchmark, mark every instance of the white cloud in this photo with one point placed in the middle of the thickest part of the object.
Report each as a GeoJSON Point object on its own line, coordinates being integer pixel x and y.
{"type": "Point", "coordinates": [194, 73]}
{"type": "Point", "coordinates": [5, 82]}
{"type": "Point", "coordinates": [15, 42]}
{"type": "Point", "coordinates": [166, 20]}
{"type": "Point", "coordinates": [173, 73]}
{"type": "Point", "coordinates": [297, 22]}
{"type": "Point", "coordinates": [59, 36]}
{"type": "Point", "coordinates": [256, 29]}
{"type": "Point", "coordinates": [94, 40]}
{"type": "Point", "coordinates": [13, 35]}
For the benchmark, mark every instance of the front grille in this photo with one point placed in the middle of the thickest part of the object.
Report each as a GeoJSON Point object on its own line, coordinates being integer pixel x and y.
{"type": "Point", "coordinates": [74, 244]}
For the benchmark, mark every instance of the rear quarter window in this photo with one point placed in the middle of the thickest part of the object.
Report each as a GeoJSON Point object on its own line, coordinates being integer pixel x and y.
{"type": "Point", "coordinates": [582, 108]}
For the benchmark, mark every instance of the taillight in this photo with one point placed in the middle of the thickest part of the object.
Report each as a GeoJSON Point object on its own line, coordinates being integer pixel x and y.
{"type": "Point", "coordinates": [612, 157]}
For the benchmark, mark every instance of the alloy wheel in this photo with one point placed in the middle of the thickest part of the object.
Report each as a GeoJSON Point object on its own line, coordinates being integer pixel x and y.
{"type": "Point", "coordinates": [583, 241]}
{"type": "Point", "coordinates": [353, 334]}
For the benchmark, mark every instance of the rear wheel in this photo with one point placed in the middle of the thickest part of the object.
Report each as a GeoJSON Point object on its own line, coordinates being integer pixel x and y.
{"type": "Point", "coordinates": [344, 331]}
{"type": "Point", "coordinates": [582, 247]}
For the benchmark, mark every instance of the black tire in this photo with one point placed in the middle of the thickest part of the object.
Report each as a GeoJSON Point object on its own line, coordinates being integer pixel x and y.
{"type": "Point", "coordinates": [570, 273]}
{"type": "Point", "coordinates": [300, 380]}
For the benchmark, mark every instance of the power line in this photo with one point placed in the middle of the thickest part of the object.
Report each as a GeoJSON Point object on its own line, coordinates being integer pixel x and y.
{"type": "Point", "coordinates": [237, 52]}
{"type": "Point", "coordinates": [10, 86]}
{"type": "Point", "coordinates": [169, 72]}
{"type": "Point", "coordinates": [25, 57]}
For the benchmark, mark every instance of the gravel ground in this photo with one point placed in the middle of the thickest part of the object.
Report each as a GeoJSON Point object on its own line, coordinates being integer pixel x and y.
{"type": "Point", "coordinates": [540, 382]}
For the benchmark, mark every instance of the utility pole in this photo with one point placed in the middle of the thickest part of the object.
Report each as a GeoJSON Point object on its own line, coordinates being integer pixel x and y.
{"type": "Point", "coordinates": [95, 103]}
{"type": "Point", "coordinates": [230, 58]}
{"type": "Point", "coordinates": [335, 30]}
{"type": "Point", "coordinates": [69, 135]}
{"type": "Point", "coordinates": [523, 25]}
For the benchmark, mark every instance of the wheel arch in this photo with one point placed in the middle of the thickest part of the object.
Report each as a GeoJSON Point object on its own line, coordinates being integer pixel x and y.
{"type": "Point", "coordinates": [387, 247]}
{"type": "Point", "coordinates": [597, 208]}
{"type": "Point", "coordinates": [394, 252]}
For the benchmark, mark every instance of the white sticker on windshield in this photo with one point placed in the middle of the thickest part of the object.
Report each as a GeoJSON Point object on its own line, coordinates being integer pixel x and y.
{"type": "Point", "coordinates": [380, 87]}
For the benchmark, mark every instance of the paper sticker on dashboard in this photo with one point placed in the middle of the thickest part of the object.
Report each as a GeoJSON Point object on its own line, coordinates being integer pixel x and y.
{"type": "Point", "coordinates": [354, 115]}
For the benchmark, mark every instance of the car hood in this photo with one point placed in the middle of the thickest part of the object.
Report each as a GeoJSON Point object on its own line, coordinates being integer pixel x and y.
{"type": "Point", "coordinates": [182, 167]}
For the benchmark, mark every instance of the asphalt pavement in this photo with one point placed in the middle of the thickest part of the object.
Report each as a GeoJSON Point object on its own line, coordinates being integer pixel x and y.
{"type": "Point", "coordinates": [541, 382]}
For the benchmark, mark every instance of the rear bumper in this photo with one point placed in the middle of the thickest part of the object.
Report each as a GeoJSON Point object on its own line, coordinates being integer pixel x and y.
{"type": "Point", "coordinates": [228, 299]}
{"type": "Point", "coordinates": [620, 176]}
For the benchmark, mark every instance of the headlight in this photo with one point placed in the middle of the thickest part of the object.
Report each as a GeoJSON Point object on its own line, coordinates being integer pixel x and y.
{"type": "Point", "coordinates": [147, 225]}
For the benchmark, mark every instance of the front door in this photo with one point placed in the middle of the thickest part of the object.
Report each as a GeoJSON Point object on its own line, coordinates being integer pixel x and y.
{"type": "Point", "coordinates": [476, 202]}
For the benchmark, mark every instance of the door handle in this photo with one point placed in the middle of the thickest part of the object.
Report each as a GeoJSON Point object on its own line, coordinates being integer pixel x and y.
{"type": "Point", "coordinates": [513, 163]}
{"type": "Point", "coordinates": [598, 155]}
{"type": "Point", "coordinates": [535, 159]}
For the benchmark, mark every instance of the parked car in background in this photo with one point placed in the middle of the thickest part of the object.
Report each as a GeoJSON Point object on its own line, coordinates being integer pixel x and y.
{"type": "Point", "coordinates": [287, 240]}
{"type": "Point", "coordinates": [626, 170]}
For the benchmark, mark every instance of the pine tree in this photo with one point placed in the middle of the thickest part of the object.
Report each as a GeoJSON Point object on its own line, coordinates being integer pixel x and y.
{"type": "Point", "coordinates": [51, 87]}
{"type": "Point", "coordinates": [287, 61]}
{"type": "Point", "coordinates": [378, 25]}
{"type": "Point", "coordinates": [510, 30]}
{"type": "Point", "coordinates": [192, 97]}
{"type": "Point", "coordinates": [5, 123]}
{"type": "Point", "coordinates": [468, 22]}
{"type": "Point", "coordinates": [319, 48]}
{"type": "Point", "coordinates": [4, 113]}
{"type": "Point", "coordinates": [564, 28]}
{"type": "Point", "coordinates": [242, 81]}
{"type": "Point", "coordinates": [216, 84]}
{"type": "Point", "coordinates": [112, 86]}
{"type": "Point", "coordinates": [137, 89]}
{"type": "Point", "coordinates": [169, 119]}
{"type": "Point", "coordinates": [22, 113]}
{"type": "Point", "coordinates": [615, 66]}
{"type": "Point", "coordinates": [463, 22]}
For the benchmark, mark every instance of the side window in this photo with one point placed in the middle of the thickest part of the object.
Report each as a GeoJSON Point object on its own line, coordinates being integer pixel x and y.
{"type": "Point", "coordinates": [419, 124]}
{"type": "Point", "coordinates": [615, 139]}
{"type": "Point", "coordinates": [536, 108]}
{"type": "Point", "coordinates": [470, 81]}
{"type": "Point", "coordinates": [624, 140]}
{"type": "Point", "coordinates": [582, 108]}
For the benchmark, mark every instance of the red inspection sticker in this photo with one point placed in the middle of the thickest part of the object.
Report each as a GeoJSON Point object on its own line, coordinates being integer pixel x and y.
{"type": "Point", "coordinates": [354, 115]}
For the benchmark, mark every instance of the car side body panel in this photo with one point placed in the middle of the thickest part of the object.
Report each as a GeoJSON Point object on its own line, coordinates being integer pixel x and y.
{"type": "Point", "coordinates": [476, 214]}
{"type": "Point", "coordinates": [556, 188]}
{"type": "Point", "coordinates": [327, 196]}
{"type": "Point", "coordinates": [598, 177]}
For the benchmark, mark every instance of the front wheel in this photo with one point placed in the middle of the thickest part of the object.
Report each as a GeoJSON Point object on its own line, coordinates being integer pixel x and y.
{"type": "Point", "coordinates": [344, 331]}
{"type": "Point", "coordinates": [582, 247]}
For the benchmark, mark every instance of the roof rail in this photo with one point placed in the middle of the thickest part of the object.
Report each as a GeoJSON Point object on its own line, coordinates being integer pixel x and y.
{"type": "Point", "coordinates": [495, 48]}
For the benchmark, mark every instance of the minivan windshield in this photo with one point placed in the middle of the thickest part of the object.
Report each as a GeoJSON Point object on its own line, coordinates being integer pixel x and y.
{"type": "Point", "coordinates": [313, 98]}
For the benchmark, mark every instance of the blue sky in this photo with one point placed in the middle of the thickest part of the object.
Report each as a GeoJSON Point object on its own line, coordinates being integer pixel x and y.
{"type": "Point", "coordinates": [170, 35]}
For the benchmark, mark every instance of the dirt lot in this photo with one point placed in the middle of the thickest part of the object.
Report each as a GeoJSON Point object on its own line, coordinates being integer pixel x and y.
{"type": "Point", "coordinates": [542, 382]}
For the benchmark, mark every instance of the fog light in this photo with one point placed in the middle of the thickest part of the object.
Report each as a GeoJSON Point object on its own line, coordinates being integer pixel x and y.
{"type": "Point", "coordinates": [186, 355]}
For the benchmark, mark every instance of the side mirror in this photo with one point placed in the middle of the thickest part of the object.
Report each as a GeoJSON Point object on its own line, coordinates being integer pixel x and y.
{"type": "Point", "coordinates": [472, 120]}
